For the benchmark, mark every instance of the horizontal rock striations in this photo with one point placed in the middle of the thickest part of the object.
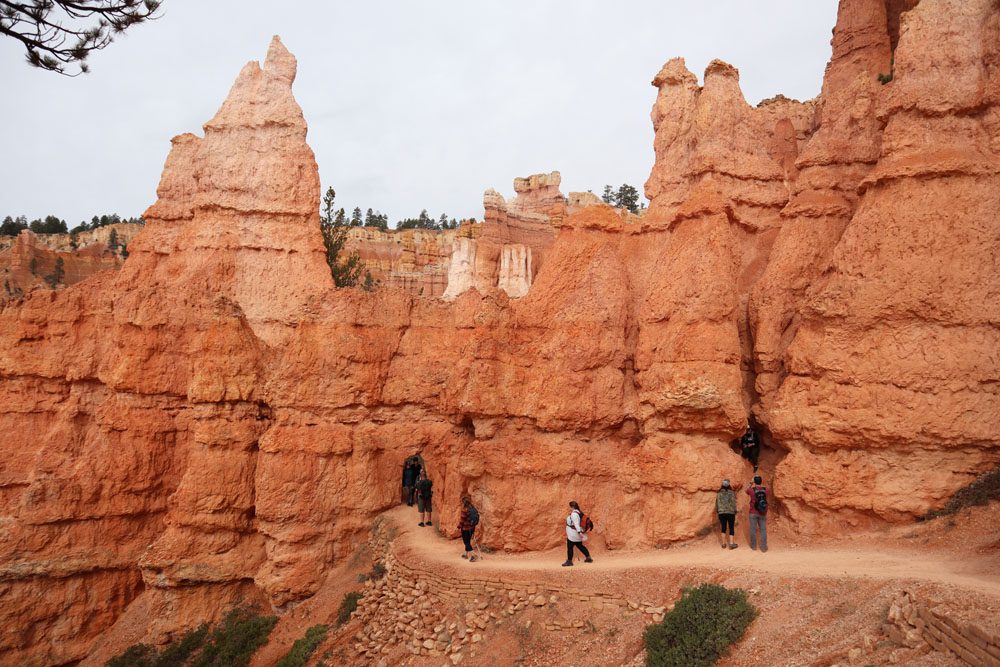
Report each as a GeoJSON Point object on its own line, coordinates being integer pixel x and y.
{"type": "Point", "coordinates": [29, 261]}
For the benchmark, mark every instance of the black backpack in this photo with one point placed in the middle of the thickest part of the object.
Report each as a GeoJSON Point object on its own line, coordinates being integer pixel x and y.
{"type": "Point", "coordinates": [760, 499]}
{"type": "Point", "coordinates": [473, 516]}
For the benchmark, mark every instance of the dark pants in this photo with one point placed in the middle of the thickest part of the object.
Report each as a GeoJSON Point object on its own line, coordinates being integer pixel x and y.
{"type": "Point", "coordinates": [751, 454]}
{"type": "Point", "coordinates": [409, 495]}
{"type": "Point", "coordinates": [467, 538]}
{"type": "Point", "coordinates": [569, 550]}
{"type": "Point", "coordinates": [727, 521]}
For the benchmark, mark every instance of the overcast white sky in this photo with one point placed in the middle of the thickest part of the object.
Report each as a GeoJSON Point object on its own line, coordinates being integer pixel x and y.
{"type": "Point", "coordinates": [410, 105]}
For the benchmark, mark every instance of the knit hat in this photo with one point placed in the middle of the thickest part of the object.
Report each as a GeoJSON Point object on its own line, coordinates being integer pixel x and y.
{"type": "Point", "coordinates": [725, 483]}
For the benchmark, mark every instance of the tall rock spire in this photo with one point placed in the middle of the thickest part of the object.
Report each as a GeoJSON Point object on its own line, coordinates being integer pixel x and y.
{"type": "Point", "coordinates": [246, 197]}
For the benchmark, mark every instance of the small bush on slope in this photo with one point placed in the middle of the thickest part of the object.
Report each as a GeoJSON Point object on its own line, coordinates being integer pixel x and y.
{"type": "Point", "coordinates": [174, 655]}
{"type": "Point", "coordinates": [303, 648]}
{"type": "Point", "coordinates": [984, 489]}
{"type": "Point", "coordinates": [137, 655]}
{"type": "Point", "coordinates": [177, 653]}
{"type": "Point", "coordinates": [700, 628]}
{"type": "Point", "coordinates": [347, 607]}
{"type": "Point", "coordinates": [235, 640]}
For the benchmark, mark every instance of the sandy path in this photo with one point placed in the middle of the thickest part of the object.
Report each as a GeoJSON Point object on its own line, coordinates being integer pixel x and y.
{"type": "Point", "coordinates": [969, 572]}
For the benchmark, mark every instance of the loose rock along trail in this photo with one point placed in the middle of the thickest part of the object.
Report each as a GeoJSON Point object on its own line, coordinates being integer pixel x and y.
{"type": "Point", "coordinates": [875, 562]}
{"type": "Point", "coordinates": [817, 601]}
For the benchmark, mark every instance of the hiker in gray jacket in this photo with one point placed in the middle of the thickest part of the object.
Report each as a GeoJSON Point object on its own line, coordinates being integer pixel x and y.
{"type": "Point", "coordinates": [725, 507]}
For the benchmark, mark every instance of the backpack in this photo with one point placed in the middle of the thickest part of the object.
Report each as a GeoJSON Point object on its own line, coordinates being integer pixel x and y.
{"type": "Point", "coordinates": [473, 516]}
{"type": "Point", "coordinates": [586, 523]}
{"type": "Point", "coordinates": [760, 499]}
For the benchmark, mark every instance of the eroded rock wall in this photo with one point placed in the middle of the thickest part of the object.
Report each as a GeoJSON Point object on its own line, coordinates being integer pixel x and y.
{"type": "Point", "coordinates": [888, 374]}
{"type": "Point", "coordinates": [28, 261]}
{"type": "Point", "coordinates": [415, 260]}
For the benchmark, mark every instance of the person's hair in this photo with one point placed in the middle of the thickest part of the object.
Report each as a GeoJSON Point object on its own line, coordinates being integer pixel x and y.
{"type": "Point", "coordinates": [757, 479]}
{"type": "Point", "coordinates": [723, 487]}
{"type": "Point", "coordinates": [573, 504]}
{"type": "Point", "coordinates": [467, 500]}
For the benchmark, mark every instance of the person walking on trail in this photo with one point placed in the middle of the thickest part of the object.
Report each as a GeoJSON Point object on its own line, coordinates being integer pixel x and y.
{"type": "Point", "coordinates": [467, 524]}
{"type": "Point", "coordinates": [725, 507]}
{"type": "Point", "coordinates": [759, 499]}
{"type": "Point", "coordinates": [409, 479]}
{"type": "Point", "coordinates": [750, 446]}
{"type": "Point", "coordinates": [424, 492]}
{"type": "Point", "coordinates": [575, 535]}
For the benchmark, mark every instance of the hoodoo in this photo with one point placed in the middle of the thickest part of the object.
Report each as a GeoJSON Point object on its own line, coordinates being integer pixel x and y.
{"type": "Point", "coordinates": [216, 422]}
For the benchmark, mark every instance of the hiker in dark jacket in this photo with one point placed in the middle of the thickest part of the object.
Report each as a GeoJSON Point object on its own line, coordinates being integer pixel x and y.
{"type": "Point", "coordinates": [424, 492]}
{"type": "Point", "coordinates": [725, 507]}
{"type": "Point", "coordinates": [467, 524]}
{"type": "Point", "coordinates": [750, 446]}
{"type": "Point", "coordinates": [759, 500]}
{"type": "Point", "coordinates": [410, 469]}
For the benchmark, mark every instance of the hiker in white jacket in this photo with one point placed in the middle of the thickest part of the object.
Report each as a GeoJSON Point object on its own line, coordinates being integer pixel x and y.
{"type": "Point", "coordinates": [575, 535]}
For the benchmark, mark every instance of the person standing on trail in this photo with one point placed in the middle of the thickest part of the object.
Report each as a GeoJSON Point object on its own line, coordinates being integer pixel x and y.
{"type": "Point", "coordinates": [410, 469]}
{"type": "Point", "coordinates": [575, 535]}
{"type": "Point", "coordinates": [467, 524]}
{"type": "Point", "coordinates": [759, 499]}
{"type": "Point", "coordinates": [725, 506]}
{"type": "Point", "coordinates": [750, 446]}
{"type": "Point", "coordinates": [423, 488]}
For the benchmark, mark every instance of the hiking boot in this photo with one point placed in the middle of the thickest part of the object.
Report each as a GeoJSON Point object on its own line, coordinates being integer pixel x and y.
{"type": "Point", "coordinates": [472, 559]}
{"type": "Point", "coordinates": [421, 524]}
{"type": "Point", "coordinates": [723, 546]}
{"type": "Point", "coordinates": [568, 563]}
{"type": "Point", "coordinates": [588, 560]}
{"type": "Point", "coordinates": [763, 550]}
{"type": "Point", "coordinates": [465, 555]}
{"type": "Point", "coordinates": [733, 546]}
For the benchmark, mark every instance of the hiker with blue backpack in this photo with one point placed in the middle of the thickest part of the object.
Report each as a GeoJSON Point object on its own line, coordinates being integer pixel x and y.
{"type": "Point", "coordinates": [467, 524]}
{"type": "Point", "coordinates": [758, 512]}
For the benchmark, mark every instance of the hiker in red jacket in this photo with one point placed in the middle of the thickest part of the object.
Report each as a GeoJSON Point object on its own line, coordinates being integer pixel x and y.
{"type": "Point", "coordinates": [759, 499]}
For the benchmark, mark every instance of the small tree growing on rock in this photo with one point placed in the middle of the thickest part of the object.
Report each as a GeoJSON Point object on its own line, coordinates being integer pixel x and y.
{"type": "Point", "coordinates": [346, 272]}
{"type": "Point", "coordinates": [58, 273]}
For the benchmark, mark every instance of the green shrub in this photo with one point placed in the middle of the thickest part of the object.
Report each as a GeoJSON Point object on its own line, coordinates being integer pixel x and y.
{"type": "Point", "coordinates": [303, 648]}
{"type": "Point", "coordinates": [347, 607]}
{"type": "Point", "coordinates": [700, 628]}
{"type": "Point", "coordinates": [982, 491]}
{"type": "Point", "coordinates": [231, 644]}
{"type": "Point", "coordinates": [234, 641]}
{"type": "Point", "coordinates": [177, 653]}
{"type": "Point", "coordinates": [137, 655]}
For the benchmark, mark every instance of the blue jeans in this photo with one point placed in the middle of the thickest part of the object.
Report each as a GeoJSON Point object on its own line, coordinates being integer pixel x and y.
{"type": "Point", "coordinates": [758, 521]}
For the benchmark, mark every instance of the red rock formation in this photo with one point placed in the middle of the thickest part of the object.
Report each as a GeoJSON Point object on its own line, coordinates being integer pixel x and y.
{"type": "Point", "coordinates": [29, 260]}
{"type": "Point", "coordinates": [415, 260]}
{"type": "Point", "coordinates": [215, 422]}
{"type": "Point", "coordinates": [888, 368]}
{"type": "Point", "coordinates": [521, 230]}
{"type": "Point", "coordinates": [502, 253]}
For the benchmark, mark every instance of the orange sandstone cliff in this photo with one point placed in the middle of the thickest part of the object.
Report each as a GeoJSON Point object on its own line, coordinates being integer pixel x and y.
{"type": "Point", "coordinates": [29, 260]}
{"type": "Point", "coordinates": [215, 422]}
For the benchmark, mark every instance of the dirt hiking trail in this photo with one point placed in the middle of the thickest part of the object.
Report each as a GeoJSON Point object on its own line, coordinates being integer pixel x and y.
{"type": "Point", "coordinates": [876, 562]}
